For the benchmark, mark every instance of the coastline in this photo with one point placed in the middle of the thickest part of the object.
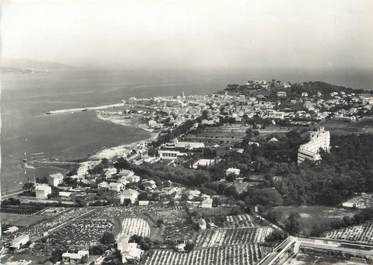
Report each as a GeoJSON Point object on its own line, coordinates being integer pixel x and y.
{"type": "Point", "coordinates": [123, 122]}
{"type": "Point", "coordinates": [115, 151]}
{"type": "Point", "coordinates": [106, 152]}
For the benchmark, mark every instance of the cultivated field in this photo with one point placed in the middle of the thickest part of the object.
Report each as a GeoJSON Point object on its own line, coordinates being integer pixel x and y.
{"type": "Point", "coordinates": [305, 259]}
{"type": "Point", "coordinates": [39, 229]}
{"type": "Point", "coordinates": [77, 235]}
{"type": "Point", "coordinates": [357, 233]}
{"type": "Point", "coordinates": [234, 236]}
{"type": "Point", "coordinates": [248, 254]}
{"type": "Point", "coordinates": [239, 221]}
{"type": "Point", "coordinates": [135, 226]}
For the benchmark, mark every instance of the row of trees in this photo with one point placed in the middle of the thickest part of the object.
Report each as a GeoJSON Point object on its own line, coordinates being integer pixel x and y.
{"type": "Point", "coordinates": [357, 219]}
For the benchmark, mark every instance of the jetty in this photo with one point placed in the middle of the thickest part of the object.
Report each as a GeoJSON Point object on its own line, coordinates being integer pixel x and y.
{"type": "Point", "coordinates": [73, 110]}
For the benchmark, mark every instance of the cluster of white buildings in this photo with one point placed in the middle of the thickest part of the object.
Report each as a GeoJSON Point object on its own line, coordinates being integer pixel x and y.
{"type": "Point", "coordinates": [171, 151]}
{"type": "Point", "coordinates": [75, 258]}
{"type": "Point", "coordinates": [160, 112]}
{"type": "Point", "coordinates": [319, 140]}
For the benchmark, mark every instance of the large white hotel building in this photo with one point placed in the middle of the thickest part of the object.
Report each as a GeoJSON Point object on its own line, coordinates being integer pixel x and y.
{"type": "Point", "coordinates": [320, 139]}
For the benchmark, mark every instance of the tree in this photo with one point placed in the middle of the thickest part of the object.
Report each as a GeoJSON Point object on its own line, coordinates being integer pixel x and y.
{"type": "Point", "coordinates": [152, 151]}
{"type": "Point", "coordinates": [205, 114]}
{"type": "Point", "coordinates": [160, 222]}
{"type": "Point", "coordinates": [42, 179]}
{"type": "Point", "coordinates": [143, 242]}
{"type": "Point", "coordinates": [293, 224]}
{"type": "Point", "coordinates": [29, 187]}
{"type": "Point", "coordinates": [189, 247]}
{"type": "Point", "coordinates": [71, 182]}
{"type": "Point", "coordinates": [105, 162]}
{"type": "Point", "coordinates": [122, 164]}
{"type": "Point", "coordinates": [11, 201]}
{"type": "Point", "coordinates": [266, 197]}
{"type": "Point", "coordinates": [230, 177]}
{"type": "Point", "coordinates": [56, 255]}
{"type": "Point", "coordinates": [80, 201]}
{"type": "Point", "coordinates": [107, 238]}
{"type": "Point", "coordinates": [276, 236]}
{"type": "Point", "coordinates": [97, 250]}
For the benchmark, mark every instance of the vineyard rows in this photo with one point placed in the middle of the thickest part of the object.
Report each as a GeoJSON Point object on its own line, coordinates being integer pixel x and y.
{"type": "Point", "coordinates": [223, 236]}
{"type": "Point", "coordinates": [248, 254]}
{"type": "Point", "coordinates": [357, 233]}
{"type": "Point", "coordinates": [239, 221]}
{"type": "Point", "coordinates": [135, 226]}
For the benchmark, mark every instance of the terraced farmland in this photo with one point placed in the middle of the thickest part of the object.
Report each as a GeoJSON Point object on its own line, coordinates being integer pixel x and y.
{"type": "Point", "coordinates": [237, 221]}
{"type": "Point", "coordinates": [247, 254]}
{"type": "Point", "coordinates": [357, 233]}
{"type": "Point", "coordinates": [232, 236]}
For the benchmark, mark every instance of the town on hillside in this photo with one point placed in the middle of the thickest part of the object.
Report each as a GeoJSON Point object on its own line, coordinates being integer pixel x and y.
{"type": "Point", "coordinates": [261, 173]}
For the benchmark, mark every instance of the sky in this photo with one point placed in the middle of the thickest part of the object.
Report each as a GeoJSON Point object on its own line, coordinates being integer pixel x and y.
{"type": "Point", "coordinates": [191, 33]}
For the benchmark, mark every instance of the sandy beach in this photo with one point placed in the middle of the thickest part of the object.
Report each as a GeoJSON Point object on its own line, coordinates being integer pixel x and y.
{"type": "Point", "coordinates": [117, 151]}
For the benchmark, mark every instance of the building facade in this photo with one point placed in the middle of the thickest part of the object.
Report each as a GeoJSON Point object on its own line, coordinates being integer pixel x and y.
{"type": "Point", "coordinates": [319, 140]}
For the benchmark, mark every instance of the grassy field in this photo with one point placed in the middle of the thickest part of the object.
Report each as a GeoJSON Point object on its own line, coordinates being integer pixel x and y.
{"type": "Point", "coordinates": [20, 219]}
{"type": "Point", "coordinates": [312, 215]}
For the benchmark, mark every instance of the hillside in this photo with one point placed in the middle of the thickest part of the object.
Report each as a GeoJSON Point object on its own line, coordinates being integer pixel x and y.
{"type": "Point", "coordinates": [31, 66]}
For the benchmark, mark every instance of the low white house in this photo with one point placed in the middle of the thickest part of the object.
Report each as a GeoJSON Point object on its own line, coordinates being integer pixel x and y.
{"type": "Point", "coordinates": [191, 194]}
{"type": "Point", "coordinates": [115, 186]}
{"type": "Point", "coordinates": [206, 203]}
{"type": "Point", "coordinates": [109, 172]}
{"type": "Point", "coordinates": [189, 145]}
{"type": "Point", "coordinates": [129, 194]}
{"type": "Point", "coordinates": [126, 173]}
{"type": "Point", "coordinates": [75, 258]}
{"type": "Point", "coordinates": [11, 229]}
{"type": "Point", "coordinates": [42, 191]}
{"type": "Point", "coordinates": [204, 163]}
{"type": "Point", "coordinates": [103, 185]}
{"type": "Point", "coordinates": [143, 203]}
{"type": "Point", "coordinates": [170, 154]}
{"type": "Point", "coordinates": [180, 247]}
{"type": "Point", "coordinates": [123, 181]}
{"type": "Point", "coordinates": [149, 184]}
{"type": "Point", "coordinates": [202, 224]}
{"type": "Point", "coordinates": [129, 179]}
{"type": "Point", "coordinates": [64, 194]}
{"type": "Point", "coordinates": [232, 171]}
{"type": "Point", "coordinates": [20, 241]}
{"type": "Point", "coordinates": [55, 179]}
